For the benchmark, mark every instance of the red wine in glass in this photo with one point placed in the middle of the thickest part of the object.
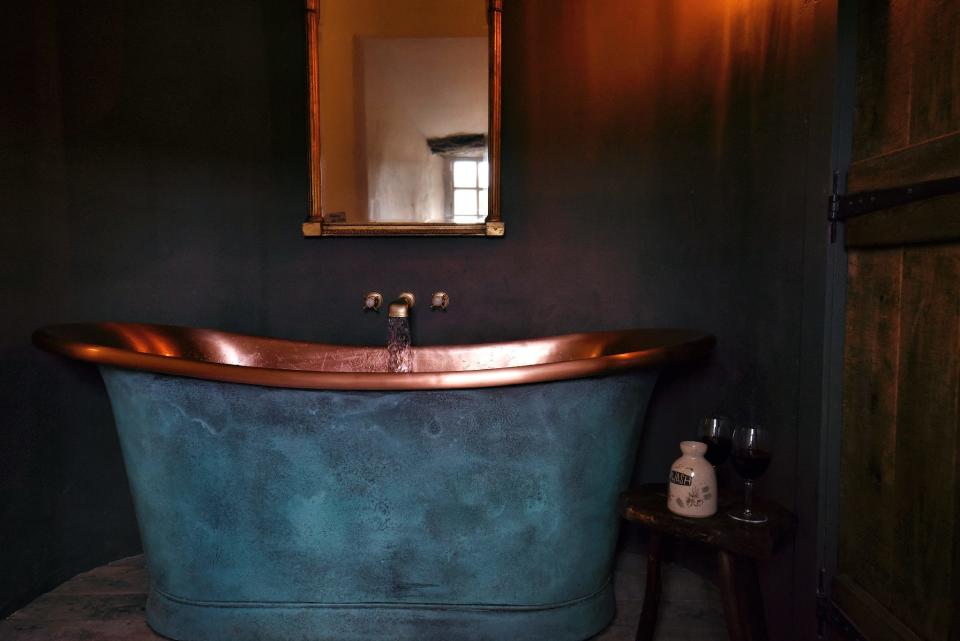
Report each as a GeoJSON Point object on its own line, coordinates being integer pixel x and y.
{"type": "Point", "coordinates": [751, 458]}
{"type": "Point", "coordinates": [716, 432]}
{"type": "Point", "coordinates": [718, 449]}
{"type": "Point", "coordinates": [751, 463]}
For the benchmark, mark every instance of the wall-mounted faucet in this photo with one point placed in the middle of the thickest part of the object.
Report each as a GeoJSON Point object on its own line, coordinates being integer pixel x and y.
{"type": "Point", "coordinates": [372, 301]}
{"type": "Point", "coordinates": [400, 308]}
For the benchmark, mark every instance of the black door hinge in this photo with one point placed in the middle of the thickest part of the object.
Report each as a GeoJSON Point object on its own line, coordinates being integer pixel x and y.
{"type": "Point", "coordinates": [846, 206]}
{"type": "Point", "coordinates": [834, 212]}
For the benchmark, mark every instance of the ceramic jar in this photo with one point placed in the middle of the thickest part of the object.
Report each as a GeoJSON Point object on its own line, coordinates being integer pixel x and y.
{"type": "Point", "coordinates": [693, 483]}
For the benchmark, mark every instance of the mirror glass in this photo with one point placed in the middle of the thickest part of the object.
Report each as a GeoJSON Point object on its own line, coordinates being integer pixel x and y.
{"type": "Point", "coordinates": [400, 110]}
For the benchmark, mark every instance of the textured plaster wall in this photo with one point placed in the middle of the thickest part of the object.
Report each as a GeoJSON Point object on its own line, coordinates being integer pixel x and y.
{"type": "Point", "coordinates": [154, 168]}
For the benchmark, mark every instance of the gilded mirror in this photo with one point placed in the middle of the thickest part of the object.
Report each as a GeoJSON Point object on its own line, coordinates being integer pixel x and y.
{"type": "Point", "coordinates": [404, 109]}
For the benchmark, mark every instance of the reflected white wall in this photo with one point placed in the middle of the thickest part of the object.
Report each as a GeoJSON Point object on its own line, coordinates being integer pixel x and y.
{"type": "Point", "coordinates": [415, 89]}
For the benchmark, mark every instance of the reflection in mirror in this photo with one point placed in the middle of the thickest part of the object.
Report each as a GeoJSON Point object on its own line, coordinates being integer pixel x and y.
{"type": "Point", "coordinates": [400, 117]}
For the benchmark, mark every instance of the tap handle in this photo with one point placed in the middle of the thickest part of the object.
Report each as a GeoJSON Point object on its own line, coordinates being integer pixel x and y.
{"type": "Point", "coordinates": [439, 300]}
{"type": "Point", "coordinates": [372, 301]}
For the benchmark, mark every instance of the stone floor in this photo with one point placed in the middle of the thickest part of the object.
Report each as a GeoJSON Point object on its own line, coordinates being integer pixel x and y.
{"type": "Point", "coordinates": [106, 604]}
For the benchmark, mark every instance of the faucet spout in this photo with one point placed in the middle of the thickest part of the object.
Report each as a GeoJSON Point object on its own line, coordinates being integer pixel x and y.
{"type": "Point", "coordinates": [400, 308]}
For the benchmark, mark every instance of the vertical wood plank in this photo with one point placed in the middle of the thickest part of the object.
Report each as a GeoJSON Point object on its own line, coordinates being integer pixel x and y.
{"type": "Point", "coordinates": [955, 588]}
{"type": "Point", "coordinates": [926, 443]}
{"type": "Point", "coordinates": [884, 73]}
{"type": "Point", "coordinates": [935, 88]}
{"type": "Point", "coordinates": [868, 473]}
{"type": "Point", "coordinates": [955, 625]}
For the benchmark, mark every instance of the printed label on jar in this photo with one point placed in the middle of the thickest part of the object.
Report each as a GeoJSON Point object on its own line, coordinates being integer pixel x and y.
{"type": "Point", "coordinates": [679, 478]}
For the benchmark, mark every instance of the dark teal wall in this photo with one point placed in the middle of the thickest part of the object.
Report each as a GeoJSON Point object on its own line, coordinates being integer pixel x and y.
{"type": "Point", "coordinates": [154, 168]}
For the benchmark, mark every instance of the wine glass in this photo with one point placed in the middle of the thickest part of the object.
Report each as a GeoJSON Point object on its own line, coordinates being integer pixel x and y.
{"type": "Point", "coordinates": [751, 457]}
{"type": "Point", "coordinates": [716, 432]}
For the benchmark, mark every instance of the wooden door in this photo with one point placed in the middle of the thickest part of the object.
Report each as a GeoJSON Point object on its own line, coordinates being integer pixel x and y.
{"type": "Point", "coordinates": [898, 554]}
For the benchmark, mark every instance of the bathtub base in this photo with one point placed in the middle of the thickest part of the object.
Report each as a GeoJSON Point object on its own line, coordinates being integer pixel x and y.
{"type": "Point", "coordinates": [211, 621]}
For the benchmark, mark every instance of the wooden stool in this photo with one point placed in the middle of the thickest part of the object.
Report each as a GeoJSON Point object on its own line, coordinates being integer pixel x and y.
{"type": "Point", "coordinates": [738, 546]}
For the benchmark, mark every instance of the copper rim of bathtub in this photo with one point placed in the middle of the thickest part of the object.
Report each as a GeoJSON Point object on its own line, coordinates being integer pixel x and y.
{"type": "Point", "coordinates": [253, 360]}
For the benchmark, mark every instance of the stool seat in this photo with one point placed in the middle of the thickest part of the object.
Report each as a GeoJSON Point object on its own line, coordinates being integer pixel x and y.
{"type": "Point", "coordinates": [738, 546]}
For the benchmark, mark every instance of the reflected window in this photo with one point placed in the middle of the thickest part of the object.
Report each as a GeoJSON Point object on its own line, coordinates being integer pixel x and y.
{"type": "Point", "coordinates": [469, 188]}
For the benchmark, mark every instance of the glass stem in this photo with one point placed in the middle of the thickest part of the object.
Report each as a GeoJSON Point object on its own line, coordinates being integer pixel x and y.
{"type": "Point", "coordinates": [748, 498]}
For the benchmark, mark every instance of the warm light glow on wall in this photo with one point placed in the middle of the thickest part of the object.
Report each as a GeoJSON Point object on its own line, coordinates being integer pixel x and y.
{"type": "Point", "coordinates": [728, 45]}
{"type": "Point", "coordinates": [687, 57]}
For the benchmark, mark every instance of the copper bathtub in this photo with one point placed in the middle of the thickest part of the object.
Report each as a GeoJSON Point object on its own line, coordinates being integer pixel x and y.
{"type": "Point", "coordinates": [290, 490]}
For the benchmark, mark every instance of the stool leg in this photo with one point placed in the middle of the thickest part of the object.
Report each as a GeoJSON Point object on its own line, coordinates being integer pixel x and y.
{"type": "Point", "coordinates": [755, 619]}
{"type": "Point", "coordinates": [730, 593]}
{"type": "Point", "coordinates": [651, 595]}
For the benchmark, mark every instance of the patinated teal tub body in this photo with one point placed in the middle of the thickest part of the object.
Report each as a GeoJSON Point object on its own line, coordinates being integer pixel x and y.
{"type": "Point", "coordinates": [392, 514]}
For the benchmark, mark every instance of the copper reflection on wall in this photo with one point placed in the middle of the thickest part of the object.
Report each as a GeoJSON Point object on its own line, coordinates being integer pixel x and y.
{"type": "Point", "coordinates": [253, 360]}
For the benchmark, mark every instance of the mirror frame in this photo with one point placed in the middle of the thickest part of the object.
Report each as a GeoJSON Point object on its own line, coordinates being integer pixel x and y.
{"type": "Point", "coordinates": [315, 225]}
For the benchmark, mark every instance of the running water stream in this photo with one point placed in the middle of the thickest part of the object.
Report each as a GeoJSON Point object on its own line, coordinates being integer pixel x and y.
{"type": "Point", "coordinates": [398, 344]}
